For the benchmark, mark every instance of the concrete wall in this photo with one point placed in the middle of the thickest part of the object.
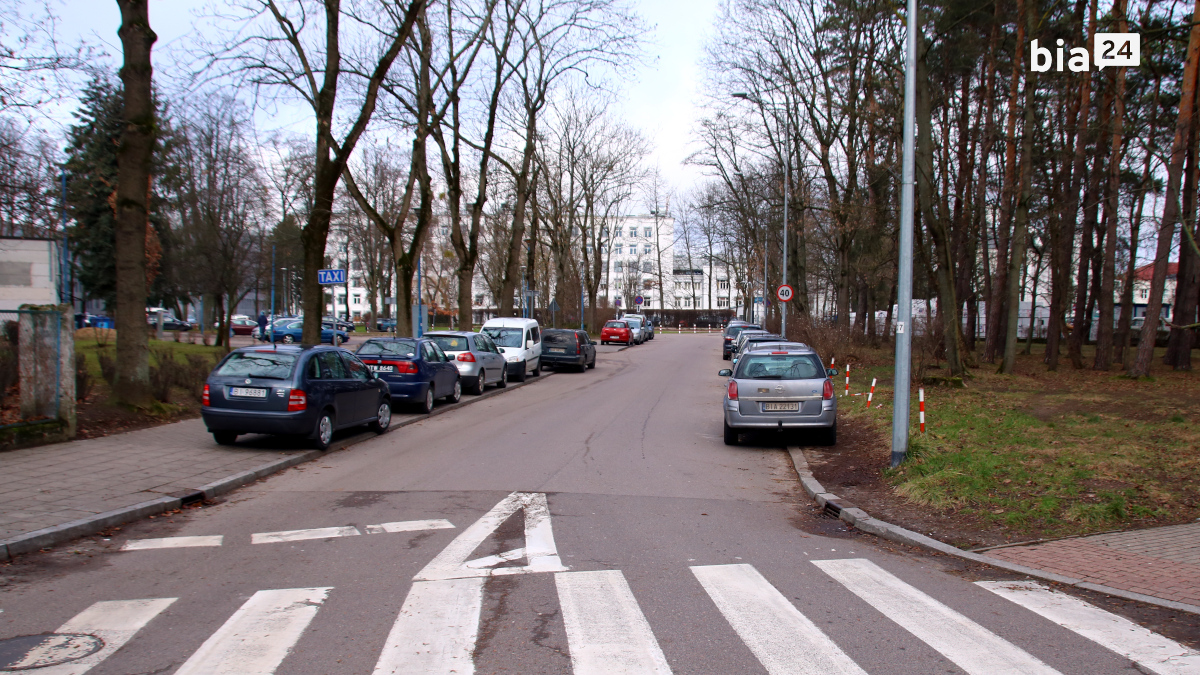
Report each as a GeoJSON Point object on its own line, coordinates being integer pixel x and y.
{"type": "Point", "coordinates": [28, 272]}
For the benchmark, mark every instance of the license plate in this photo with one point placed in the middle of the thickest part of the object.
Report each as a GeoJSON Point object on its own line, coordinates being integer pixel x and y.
{"type": "Point", "coordinates": [781, 407]}
{"type": "Point", "coordinates": [383, 369]}
{"type": "Point", "coordinates": [248, 392]}
{"type": "Point", "coordinates": [557, 351]}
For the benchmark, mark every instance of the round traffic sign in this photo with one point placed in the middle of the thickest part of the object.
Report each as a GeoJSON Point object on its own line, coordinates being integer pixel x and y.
{"type": "Point", "coordinates": [784, 293]}
{"type": "Point", "coordinates": [637, 300]}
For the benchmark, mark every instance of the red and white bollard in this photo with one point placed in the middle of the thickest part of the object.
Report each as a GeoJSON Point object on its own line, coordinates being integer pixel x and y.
{"type": "Point", "coordinates": [921, 398]}
{"type": "Point", "coordinates": [872, 394]}
{"type": "Point", "coordinates": [847, 380]}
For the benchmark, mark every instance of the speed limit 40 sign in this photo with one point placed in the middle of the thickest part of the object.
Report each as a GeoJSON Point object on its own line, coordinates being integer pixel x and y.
{"type": "Point", "coordinates": [784, 293]}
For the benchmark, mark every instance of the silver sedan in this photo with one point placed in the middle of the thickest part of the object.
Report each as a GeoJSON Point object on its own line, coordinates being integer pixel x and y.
{"type": "Point", "coordinates": [773, 390]}
{"type": "Point", "coordinates": [478, 359]}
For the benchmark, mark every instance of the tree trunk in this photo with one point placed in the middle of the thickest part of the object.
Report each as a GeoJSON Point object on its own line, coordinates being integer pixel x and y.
{"type": "Point", "coordinates": [1112, 205]}
{"type": "Point", "coordinates": [1021, 215]}
{"type": "Point", "coordinates": [1179, 343]}
{"type": "Point", "coordinates": [132, 386]}
{"type": "Point", "coordinates": [1171, 209]}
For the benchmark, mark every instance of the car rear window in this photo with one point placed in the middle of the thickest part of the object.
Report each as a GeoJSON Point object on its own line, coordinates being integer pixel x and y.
{"type": "Point", "coordinates": [274, 365]}
{"type": "Point", "coordinates": [388, 348]}
{"type": "Point", "coordinates": [735, 330]}
{"type": "Point", "coordinates": [557, 338]}
{"type": "Point", "coordinates": [758, 366]}
{"type": "Point", "coordinates": [615, 324]}
{"type": "Point", "coordinates": [451, 343]}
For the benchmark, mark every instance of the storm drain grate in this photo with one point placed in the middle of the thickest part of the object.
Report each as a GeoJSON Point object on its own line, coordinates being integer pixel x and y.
{"type": "Point", "coordinates": [27, 652]}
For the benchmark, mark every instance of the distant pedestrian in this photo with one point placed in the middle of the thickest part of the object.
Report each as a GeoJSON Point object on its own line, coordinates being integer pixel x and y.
{"type": "Point", "coordinates": [262, 326]}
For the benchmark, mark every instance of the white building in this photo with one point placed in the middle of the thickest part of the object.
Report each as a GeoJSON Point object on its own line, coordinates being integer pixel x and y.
{"type": "Point", "coordinates": [29, 272]}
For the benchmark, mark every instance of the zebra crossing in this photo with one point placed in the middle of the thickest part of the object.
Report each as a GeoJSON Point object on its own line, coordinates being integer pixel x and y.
{"type": "Point", "coordinates": [608, 633]}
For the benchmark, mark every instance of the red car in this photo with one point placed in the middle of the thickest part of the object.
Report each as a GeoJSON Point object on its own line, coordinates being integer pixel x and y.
{"type": "Point", "coordinates": [616, 331]}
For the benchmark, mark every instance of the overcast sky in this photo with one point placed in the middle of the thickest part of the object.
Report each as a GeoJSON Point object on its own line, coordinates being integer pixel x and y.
{"type": "Point", "coordinates": [664, 101]}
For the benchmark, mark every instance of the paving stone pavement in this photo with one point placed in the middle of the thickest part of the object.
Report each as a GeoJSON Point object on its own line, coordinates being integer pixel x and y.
{"type": "Point", "coordinates": [55, 484]}
{"type": "Point", "coordinates": [1163, 562]}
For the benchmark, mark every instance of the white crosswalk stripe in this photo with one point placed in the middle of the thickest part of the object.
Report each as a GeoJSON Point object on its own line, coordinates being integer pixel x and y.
{"type": "Point", "coordinates": [970, 646]}
{"type": "Point", "coordinates": [607, 634]}
{"type": "Point", "coordinates": [410, 526]}
{"type": "Point", "coordinates": [259, 635]}
{"type": "Point", "coordinates": [783, 640]}
{"type": "Point", "coordinates": [173, 542]}
{"type": "Point", "coordinates": [301, 535]}
{"type": "Point", "coordinates": [114, 622]}
{"type": "Point", "coordinates": [436, 630]}
{"type": "Point", "coordinates": [1149, 650]}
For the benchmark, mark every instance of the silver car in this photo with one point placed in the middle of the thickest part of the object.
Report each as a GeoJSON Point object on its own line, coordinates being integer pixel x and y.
{"type": "Point", "coordinates": [743, 336]}
{"type": "Point", "coordinates": [773, 390]}
{"type": "Point", "coordinates": [751, 343]}
{"type": "Point", "coordinates": [478, 359]}
{"type": "Point", "coordinates": [638, 335]}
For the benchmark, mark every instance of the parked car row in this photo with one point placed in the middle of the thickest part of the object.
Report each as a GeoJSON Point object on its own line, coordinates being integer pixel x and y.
{"type": "Point", "coordinates": [315, 390]}
{"type": "Point", "coordinates": [630, 329]}
{"type": "Point", "coordinates": [775, 384]}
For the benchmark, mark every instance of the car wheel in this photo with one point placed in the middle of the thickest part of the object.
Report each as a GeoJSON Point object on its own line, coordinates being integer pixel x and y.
{"type": "Point", "coordinates": [503, 378]}
{"type": "Point", "coordinates": [523, 374]}
{"type": "Point", "coordinates": [224, 437]}
{"type": "Point", "coordinates": [538, 370]}
{"type": "Point", "coordinates": [592, 364]}
{"type": "Point", "coordinates": [288, 339]}
{"type": "Point", "coordinates": [456, 393]}
{"type": "Point", "coordinates": [478, 390]}
{"type": "Point", "coordinates": [829, 436]}
{"type": "Point", "coordinates": [323, 434]}
{"type": "Point", "coordinates": [731, 435]}
{"type": "Point", "coordinates": [384, 420]}
{"type": "Point", "coordinates": [426, 406]}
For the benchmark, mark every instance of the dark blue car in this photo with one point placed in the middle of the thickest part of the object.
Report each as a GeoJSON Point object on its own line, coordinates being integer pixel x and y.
{"type": "Point", "coordinates": [306, 391]}
{"type": "Point", "coordinates": [291, 332]}
{"type": "Point", "coordinates": [416, 370]}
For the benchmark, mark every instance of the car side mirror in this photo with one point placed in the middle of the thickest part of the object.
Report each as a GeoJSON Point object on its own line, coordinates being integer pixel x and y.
{"type": "Point", "coordinates": [529, 344]}
{"type": "Point", "coordinates": [725, 372]}
{"type": "Point", "coordinates": [831, 372]}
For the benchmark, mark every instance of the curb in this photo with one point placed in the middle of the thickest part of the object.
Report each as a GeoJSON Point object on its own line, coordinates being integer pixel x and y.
{"type": "Point", "coordinates": [58, 534]}
{"type": "Point", "coordinates": [859, 519]}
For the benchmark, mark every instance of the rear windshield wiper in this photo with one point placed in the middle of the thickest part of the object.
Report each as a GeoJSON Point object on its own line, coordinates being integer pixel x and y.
{"type": "Point", "coordinates": [768, 377]}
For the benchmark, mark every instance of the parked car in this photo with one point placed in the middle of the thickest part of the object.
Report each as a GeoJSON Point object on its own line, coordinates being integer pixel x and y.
{"type": "Point", "coordinates": [292, 331]}
{"type": "Point", "coordinates": [169, 321]}
{"type": "Point", "coordinates": [310, 391]}
{"type": "Point", "coordinates": [616, 331]}
{"type": "Point", "coordinates": [385, 325]}
{"type": "Point", "coordinates": [416, 370]}
{"type": "Point", "coordinates": [647, 324]}
{"type": "Point", "coordinates": [785, 389]}
{"type": "Point", "coordinates": [748, 343]}
{"type": "Point", "coordinates": [521, 342]}
{"type": "Point", "coordinates": [568, 347]}
{"type": "Point", "coordinates": [340, 324]}
{"type": "Point", "coordinates": [731, 332]}
{"type": "Point", "coordinates": [277, 322]}
{"type": "Point", "coordinates": [243, 326]}
{"type": "Point", "coordinates": [477, 358]}
{"type": "Point", "coordinates": [635, 327]}
{"type": "Point", "coordinates": [746, 335]}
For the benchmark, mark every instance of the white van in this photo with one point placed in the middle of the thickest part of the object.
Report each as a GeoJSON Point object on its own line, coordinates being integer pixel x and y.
{"type": "Point", "coordinates": [521, 342]}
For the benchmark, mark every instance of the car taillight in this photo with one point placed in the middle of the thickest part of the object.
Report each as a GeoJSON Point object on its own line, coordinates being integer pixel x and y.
{"type": "Point", "coordinates": [733, 390]}
{"type": "Point", "coordinates": [297, 401]}
{"type": "Point", "coordinates": [827, 392]}
{"type": "Point", "coordinates": [578, 344]}
{"type": "Point", "coordinates": [466, 356]}
{"type": "Point", "coordinates": [402, 366]}
{"type": "Point", "coordinates": [204, 400]}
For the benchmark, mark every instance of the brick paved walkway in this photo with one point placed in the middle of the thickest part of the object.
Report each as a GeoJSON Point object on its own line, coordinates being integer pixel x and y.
{"type": "Point", "coordinates": [1163, 562]}
{"type": "Point", "coordinates": [55, 484]}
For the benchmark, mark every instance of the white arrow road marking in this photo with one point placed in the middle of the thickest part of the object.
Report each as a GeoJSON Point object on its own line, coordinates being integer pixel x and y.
{"type": "Point", "coordinates": [436, 630]}
{"type": "Point", "coordinates": [259, 635]}
{"type": "Point", "coordinates": [606, 630]}
{"type": "Point", "coordinates": [300, 535]}
{"type": "Point", "coordinates": [783, 640]}
{"type": "Point", "coordinates": [969, 645]}
{"type": "Point", "coordinates": [539, 550]}
{"type": "Point", "coordinates": [114, 622]}
{"type": "Point", "coordinates": [172, 542]}
{"type": "Point", "coordinates": [410, 526]}
{"type": "Point", "coordinates": [1148, 649]}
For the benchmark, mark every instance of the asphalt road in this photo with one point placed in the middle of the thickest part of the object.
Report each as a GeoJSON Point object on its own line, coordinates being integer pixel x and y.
{"type": "Point", "coordinates": [592, 523]}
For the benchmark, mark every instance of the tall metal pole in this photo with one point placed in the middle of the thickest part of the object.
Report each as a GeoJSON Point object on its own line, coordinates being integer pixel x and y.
{"type": "Point", "coordinates": [346, 250]}
{"type": "Point", "coordinates": [419, 325]}
{"type": "Point", "coordinates": [271, 324]}
{"type": "Point", "coordinates": [904, 280]}
{"type": "Point", "coordinates": [787, 177]}
{"type": "Point", "coordinates": [63, 265]}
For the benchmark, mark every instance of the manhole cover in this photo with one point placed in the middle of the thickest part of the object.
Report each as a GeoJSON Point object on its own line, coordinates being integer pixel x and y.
{"type": "Point", "coordinates": [27, 652]}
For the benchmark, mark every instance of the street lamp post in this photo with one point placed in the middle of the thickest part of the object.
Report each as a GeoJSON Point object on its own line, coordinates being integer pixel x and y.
{"type": "Point", "coordinates": [904, 276]}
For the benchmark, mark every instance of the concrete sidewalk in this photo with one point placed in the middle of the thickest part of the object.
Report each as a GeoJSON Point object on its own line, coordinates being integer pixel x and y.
{"type": "Point", "coordinates": [54, 493]}
{"type": "Point", "coordinates": [1161, 562]}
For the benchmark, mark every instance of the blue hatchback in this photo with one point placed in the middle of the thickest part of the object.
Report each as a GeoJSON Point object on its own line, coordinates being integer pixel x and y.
{"type": "Point", "coordinates": [416, 370]}
{"type": "Point", "coordinates": [290, 333]}
{"type": "Point", "coordinates": [309, 391]}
